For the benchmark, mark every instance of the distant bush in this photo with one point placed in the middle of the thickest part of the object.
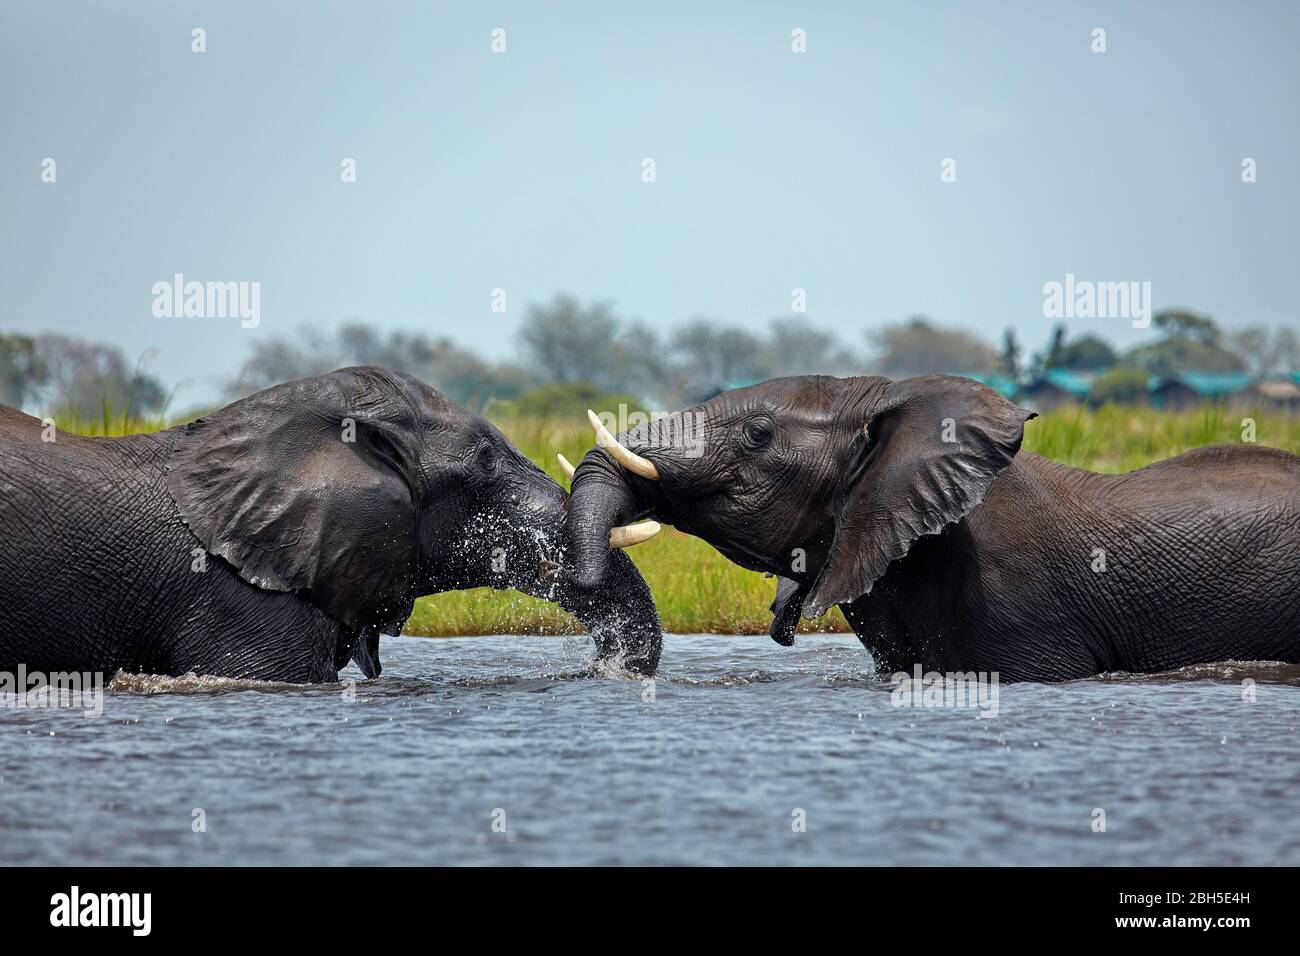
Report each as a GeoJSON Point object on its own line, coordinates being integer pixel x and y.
{"type": "Point", "coordinates": [1121, 385]}
{"type": "Point", "coordinates": [919, 347]}
{"type": "Point", "coordinates": [564, 400]}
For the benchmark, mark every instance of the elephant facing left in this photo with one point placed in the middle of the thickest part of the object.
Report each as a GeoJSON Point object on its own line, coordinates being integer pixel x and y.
{"type": "Point", "coordinates": [278, 537]}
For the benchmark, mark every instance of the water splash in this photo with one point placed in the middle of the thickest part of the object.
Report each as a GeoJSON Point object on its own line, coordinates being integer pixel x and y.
{"type": "Point", "coordinates": [191, 683]}
{"type": "Point", "coordinates": [1269, 672]}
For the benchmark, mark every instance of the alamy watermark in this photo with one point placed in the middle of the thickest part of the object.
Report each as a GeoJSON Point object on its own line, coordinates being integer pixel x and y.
{"type": "Point", "coordinates": [208, 300]}
{"type": "Point", "coordinates": [1084, 299]}
{"type": "Point", "coordinates": [133, 911]}
{"type": "Point", "coordinates": [680, 431]}
{"type": "Point", "coordinates": [38, 690]}
{"type": "Point", "coordinates": [951, 690]}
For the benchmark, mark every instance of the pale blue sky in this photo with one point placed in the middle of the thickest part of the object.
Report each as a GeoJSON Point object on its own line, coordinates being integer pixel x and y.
{"type": "Point", "coordinates": [522, 170]}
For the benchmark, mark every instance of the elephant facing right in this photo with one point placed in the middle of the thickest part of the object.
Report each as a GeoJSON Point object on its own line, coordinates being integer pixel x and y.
{"type": "Point", "coordinates": [910, 505]}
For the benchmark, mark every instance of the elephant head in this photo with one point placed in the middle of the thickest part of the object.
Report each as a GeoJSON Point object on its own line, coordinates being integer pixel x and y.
{"type": "Point", "coordinates": [820, 481]}
{"type": "Point", "coordinates": [364, 489]}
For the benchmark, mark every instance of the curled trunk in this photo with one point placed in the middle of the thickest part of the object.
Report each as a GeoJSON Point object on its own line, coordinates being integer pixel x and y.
{"type": "Point", "coordinates": [619, 613]}
{"type": "Point", "coordinates": [621, 617]}
{"type": "Point", "coordinates": [601, 499]}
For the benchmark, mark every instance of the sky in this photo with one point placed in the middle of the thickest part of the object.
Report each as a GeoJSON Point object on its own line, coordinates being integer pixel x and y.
{"type": "Point", "coordinates": [522, 170]}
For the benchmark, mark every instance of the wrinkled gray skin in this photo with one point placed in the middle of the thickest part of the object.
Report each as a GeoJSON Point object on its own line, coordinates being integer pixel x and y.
{"type": "Point", "coordinates": [967, 554]}
{"type": "Point", "coordinates": [260, 542]}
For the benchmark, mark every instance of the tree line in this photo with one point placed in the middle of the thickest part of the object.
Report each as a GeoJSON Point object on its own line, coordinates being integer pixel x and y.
{"type": "Point", "coordinates": [570, 343]}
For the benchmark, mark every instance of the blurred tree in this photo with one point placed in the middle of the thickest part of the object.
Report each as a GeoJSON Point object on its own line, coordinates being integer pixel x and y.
{"type": "Point", "coordinates": [1173, 355]}
{"type": "Point", "coordinates": [708, 357]}
{"type": "Point", "coordinates": [87, 379]}
{"type": "Point", "coordinates": [21, 371]}
{"type": "Point", "coordinates": [1190, 344]}
{"type": "Point", "coordinates": [400, 351]}
{"type": "Point", "coordinates": [1086, 353]}
{"type": "Point", "coordinates": [458, 373]}
{"type": "Point", "coordinates": [1265, 352]}
{"type": "Point", "coordinates": [1009, 363]}
{"type": "Point", "coordinates": [796, 347]}
{"type": "Point", "coordinates": [465, 378]}
{"type": "Point", "coordinates": [641, 364]}
{"type": "Point", "coordinates": [1185, 324]}
{"type": "Point", "coordinates": [919, 347]}
{"type": "Point", "coordinates": [275, 360]}
{"type": "Point", "coordinates": [565, 342]}
{"type": "Point", "coordinates": [1120, 385]}
{"type": "Point", "coordinates": [1055, 345]}
{"type": "Point", "coordinates": [1287, 345]}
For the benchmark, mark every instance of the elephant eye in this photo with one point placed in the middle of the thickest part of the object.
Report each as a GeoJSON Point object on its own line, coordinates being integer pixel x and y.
{"type": "Point", "coordinates": [485, 460]}
{"type": "Point", "coordinates": [757, 433]}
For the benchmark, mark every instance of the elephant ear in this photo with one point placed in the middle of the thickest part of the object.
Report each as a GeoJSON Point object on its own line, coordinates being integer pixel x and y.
{"type": "Point", "coordinates": [923, 461]}
{"type": "Point", "coordinates": [300, 491]}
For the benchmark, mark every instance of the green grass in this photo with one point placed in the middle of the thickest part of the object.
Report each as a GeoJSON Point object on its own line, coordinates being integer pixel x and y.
{"type": "Point", "coordinates": [107, 424]}
{"type": "Point", "coordinates": [1117, 438]}
{"type": "Point", "coordinates": [699, 591]}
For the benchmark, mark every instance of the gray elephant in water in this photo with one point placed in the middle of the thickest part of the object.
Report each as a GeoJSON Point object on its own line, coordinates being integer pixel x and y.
{"type": "Point", "coordinates": [279, 536]}
{"type": "Point", "coordinates": [910, 506]}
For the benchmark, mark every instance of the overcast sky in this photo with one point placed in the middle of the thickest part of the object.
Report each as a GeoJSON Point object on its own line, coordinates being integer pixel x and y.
{"type": "Point", "coordinates": [522, 170]}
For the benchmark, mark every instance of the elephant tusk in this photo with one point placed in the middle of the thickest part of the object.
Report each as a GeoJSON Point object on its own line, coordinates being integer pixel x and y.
{"type": "Point", "coordinates": [565, 466]}
{"type": "Point", "coordinates": [630, 534]}
{"type": "Point", "coordinates": [629, 460]}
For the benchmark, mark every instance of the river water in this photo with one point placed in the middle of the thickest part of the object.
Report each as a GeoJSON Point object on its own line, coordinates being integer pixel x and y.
{"type": "Point", "coordinates": [483, 751]}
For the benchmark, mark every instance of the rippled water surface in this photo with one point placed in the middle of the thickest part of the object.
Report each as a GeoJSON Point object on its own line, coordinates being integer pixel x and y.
{"type": "Point", "coordinates": [739, 735]}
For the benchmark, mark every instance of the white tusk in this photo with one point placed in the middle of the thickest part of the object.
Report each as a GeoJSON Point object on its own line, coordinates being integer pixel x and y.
{"type": "Point", "coordinates": [567, 468]}
{"type": "Point", "coordinates": [630, 534]}
{"type": "Point", "coordinates": [629, 460]}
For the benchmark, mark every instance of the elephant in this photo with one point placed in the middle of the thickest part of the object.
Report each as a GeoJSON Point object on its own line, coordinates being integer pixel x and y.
{"type": "Point", "coordinates": [278, 537]}
{"type": "Point", "coordinates": [910, 505]}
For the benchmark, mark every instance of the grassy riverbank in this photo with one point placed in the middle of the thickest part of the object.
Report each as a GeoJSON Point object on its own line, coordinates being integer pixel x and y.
{"type": "Point", "coordinates": [698, 590]}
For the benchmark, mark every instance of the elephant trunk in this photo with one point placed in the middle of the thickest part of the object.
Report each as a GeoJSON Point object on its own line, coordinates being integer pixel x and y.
{"type": "Point", "coordinates": [601, 499]}
{"type": "Point", "coordinates": [619, 613]}
{"type": "Point", "coordinates": [621, 616]}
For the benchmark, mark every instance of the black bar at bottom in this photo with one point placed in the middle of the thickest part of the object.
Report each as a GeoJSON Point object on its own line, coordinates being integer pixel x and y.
{"type": "Point", "coordinates": [333, 905]}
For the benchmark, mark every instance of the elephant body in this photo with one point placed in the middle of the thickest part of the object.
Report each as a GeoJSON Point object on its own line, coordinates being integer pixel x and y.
{"type": "Point", "coordinates": [98, 572]}
{"type": "Point", "coordinates": [278, 537]}
{"type": "Point", "coordinates": [1063, 573]}
{"type": "Point", "coordinates": [911, 506]}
